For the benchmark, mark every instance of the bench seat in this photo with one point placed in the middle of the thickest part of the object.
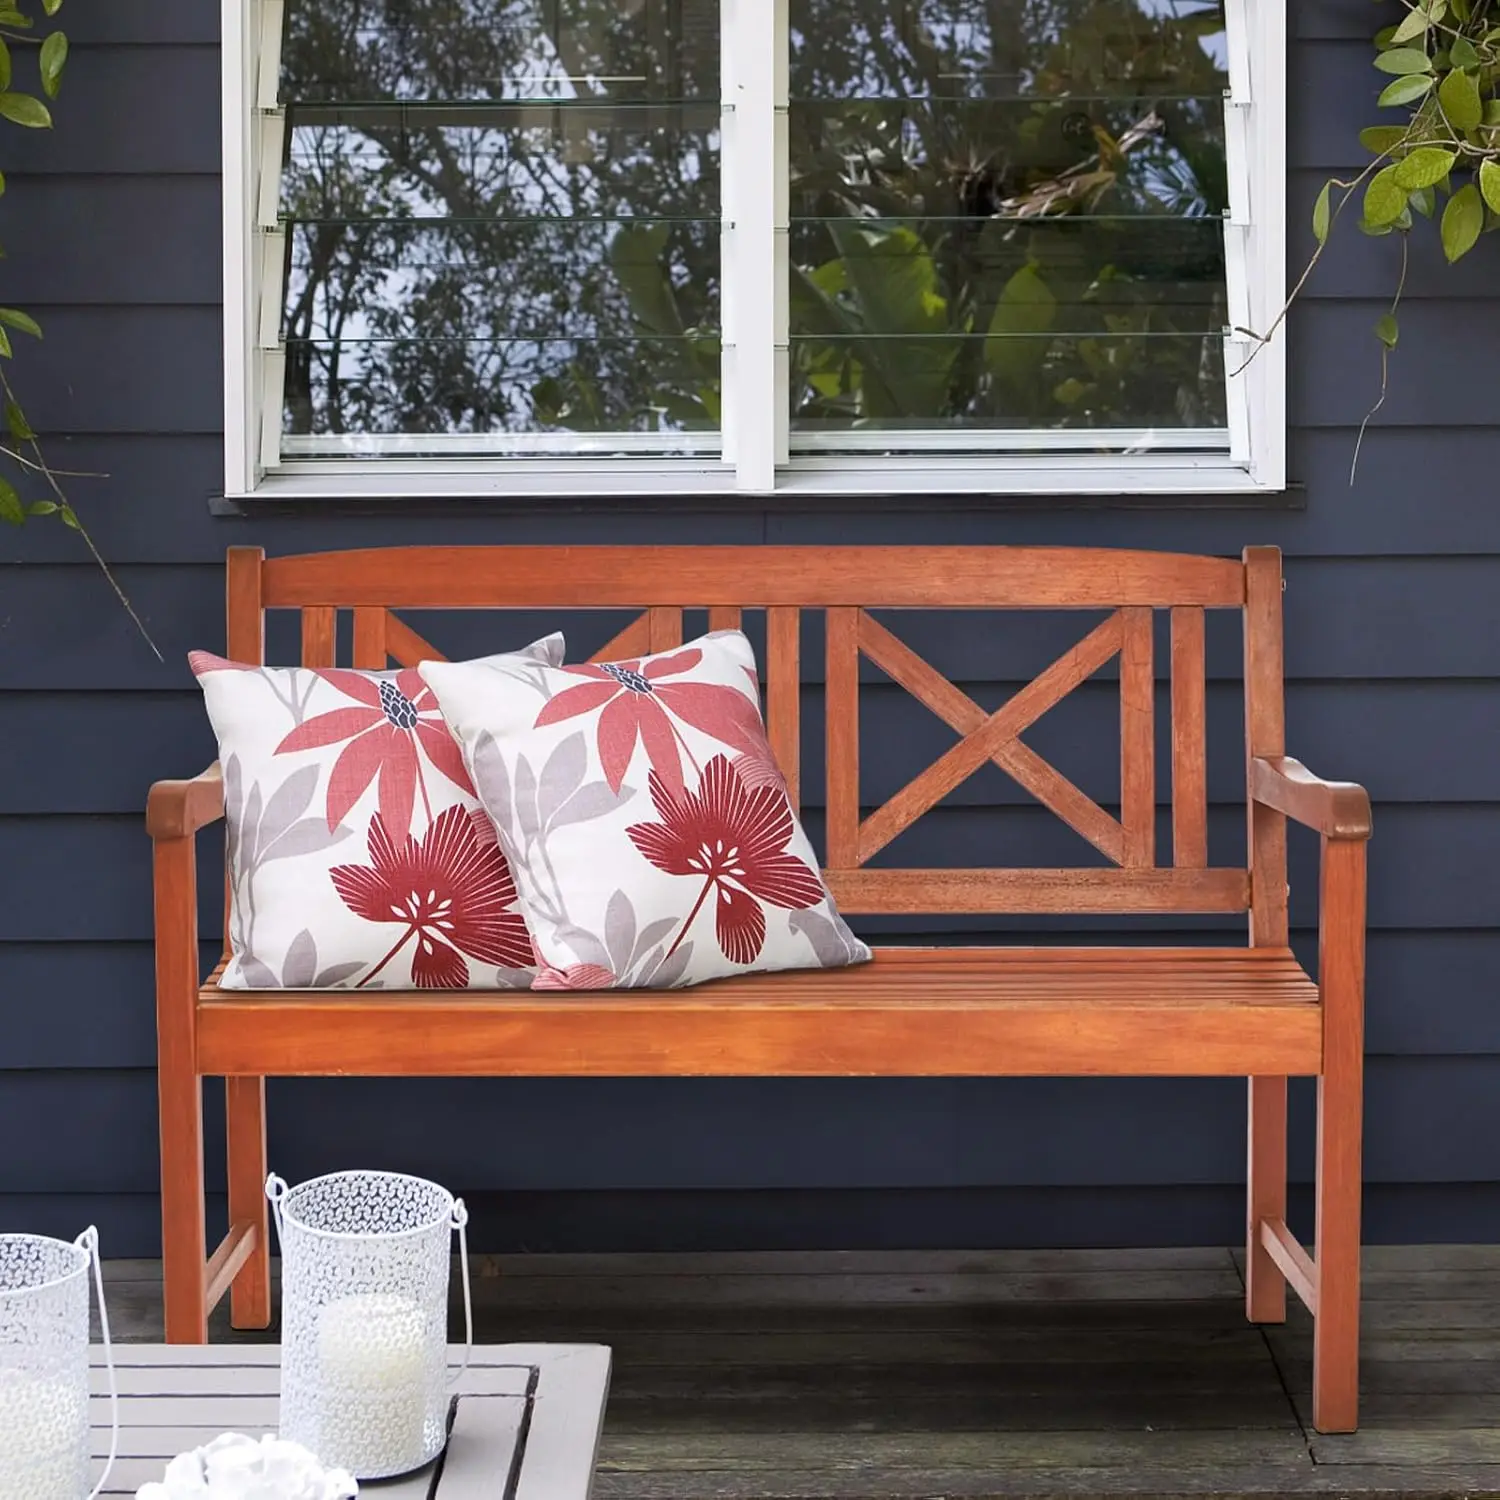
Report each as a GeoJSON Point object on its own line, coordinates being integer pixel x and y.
{"type": "Point", "coordinates": [912, 1012]}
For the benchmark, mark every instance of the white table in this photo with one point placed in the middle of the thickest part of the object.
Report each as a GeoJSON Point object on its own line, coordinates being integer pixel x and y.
{"type": "Point", "coordinates": [526, 1425]}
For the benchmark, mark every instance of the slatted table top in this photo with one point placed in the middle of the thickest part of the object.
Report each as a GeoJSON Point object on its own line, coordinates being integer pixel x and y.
{"type": "Point", "coordinates": [526, 1425]}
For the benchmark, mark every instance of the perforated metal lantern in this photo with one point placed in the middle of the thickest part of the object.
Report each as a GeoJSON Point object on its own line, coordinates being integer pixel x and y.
{"type": "Point", "coordinates": [364, 1317]}
{"type": "Point", "coordinates": [44, 1367]}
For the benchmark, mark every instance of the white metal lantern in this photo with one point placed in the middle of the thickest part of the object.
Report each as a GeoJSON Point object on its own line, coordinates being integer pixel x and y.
{"type": "Point", "coordinates": [364, 1317]}
{"type": "Point", "coordinates": [44, 1367]}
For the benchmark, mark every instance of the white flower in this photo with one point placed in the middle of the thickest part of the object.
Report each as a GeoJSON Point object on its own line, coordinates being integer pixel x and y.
{"type": "Point", "coordinates": [235, 1467]}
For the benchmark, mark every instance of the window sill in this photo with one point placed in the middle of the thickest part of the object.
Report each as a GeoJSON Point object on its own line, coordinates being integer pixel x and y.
{"type": "Point", "coordinates": [1167, 479]}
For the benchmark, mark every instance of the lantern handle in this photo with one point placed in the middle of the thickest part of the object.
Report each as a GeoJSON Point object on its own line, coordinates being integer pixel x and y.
{"type": "Point", "coordinates": [88, 1242]}
{"type": "Point", "coordinates": [461, 1224]}
{"type": "Point", "coordinates": [276, 1190]}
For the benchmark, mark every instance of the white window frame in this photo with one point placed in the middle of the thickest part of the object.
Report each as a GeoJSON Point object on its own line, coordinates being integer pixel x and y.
{"type": "Point", "coordinates": [754, 456]}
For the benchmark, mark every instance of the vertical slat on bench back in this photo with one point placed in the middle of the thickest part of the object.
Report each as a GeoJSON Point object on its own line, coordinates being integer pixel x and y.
{"type": "Point", "coordinates": [245, 616]}
{"type": "Point", "coordinates": [724, 617]}
{"type": "Point", "coordinates": [1137, 739]}
{"type": "Point", "coordinates": [244, 635]}
{"type": "Point", "coordinates": [665, 627]}
{"type": "Point", "coordinates": [319, 635]}
{"type": "Point", "coordinates": [842, 713]}
{"type": "Point", "coordinates": [370, 651]}
{"type": "Point", "coordinates": [784, 693]}
{"type": "Point", "coordinates": [1265, 734]}
{"type": "Point", "coordinates": [1189, 742]}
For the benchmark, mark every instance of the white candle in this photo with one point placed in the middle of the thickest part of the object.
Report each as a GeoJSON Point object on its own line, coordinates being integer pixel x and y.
{"type": "Point", "coordinates": [44, 1452]}
{"type": "Point", "coordinates": [375, 1372]}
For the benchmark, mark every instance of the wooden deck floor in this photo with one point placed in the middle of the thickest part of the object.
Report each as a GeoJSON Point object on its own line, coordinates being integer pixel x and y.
{"type": "Point", "coordinates": [754, 1377]}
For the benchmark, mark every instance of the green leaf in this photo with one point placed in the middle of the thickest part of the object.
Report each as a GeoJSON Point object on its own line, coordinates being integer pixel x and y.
{"type": "Point", "coordinates": [639, 260]}
{"type": "Point", "coordinates": [896, 289]}
{"type": "Point", "coordinates": [1323, 214]}
{"type": "Point", "coordinates": [1404, 60]}
{"type": "Point", "coordinates": [1459, 96]}
{"type": "Point", "coordinates": [5, 66]}
{"type": "Point", "coordinates": [1405, 90]}
{"type": "Point", "coordinates": [1027, 309]}
{"type": "Point", "coordinates": [1415, 25]}
{"type": "Point", "coordinates": [1425, 167]}
{"type": "Point", "coordinates": [1489, 183]}
{"type": "Point", "coordinates": [5, 349]}
{"type": "Point", "coordinates": [1387, 331]}
{"type": "Point", "coordinates": [54, 55]}
{"type": "Point", "coordinates": [22, 109]}
{"type": "Point", "coordinates": [69, 518]}
{"type": "Point", "coordinates": [42, 508]}
{"type": "Point", "coordinates": [1462, 220]}
{"type": "Point", "coordinates": [1492, 112]}
{"type": "Point", "coordinates": [24, 322]}
{"type": "Point", "coordinates": [1424, 201]}
{"type": "Point", "coordinates": [11, 508]}
{"type": "Point", "coordinates": [52, 6]}
{"type": "Point", "coordinates": [1382, 138]}
{"type": "Point", "coordinates": [15, 419]}
{"type": "Point", "coordinates": [1462, 53]}
{"type": "Point", "coordinates": [1385, 198]}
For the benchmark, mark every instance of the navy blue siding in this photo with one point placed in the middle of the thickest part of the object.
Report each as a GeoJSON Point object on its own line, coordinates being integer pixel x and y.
{"type": "Point", "coordinates": [1393, 612]}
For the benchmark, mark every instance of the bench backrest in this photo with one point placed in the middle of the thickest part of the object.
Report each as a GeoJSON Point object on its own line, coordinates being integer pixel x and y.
{"type": "Point", "coordinates": [846, 583]}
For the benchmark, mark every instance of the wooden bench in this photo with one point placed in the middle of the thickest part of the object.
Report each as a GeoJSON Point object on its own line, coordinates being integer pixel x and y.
{"type": "Point", "coordinates": [1246, 1011]}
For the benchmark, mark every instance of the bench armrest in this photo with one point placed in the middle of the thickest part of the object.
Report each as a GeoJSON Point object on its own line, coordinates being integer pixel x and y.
{"type": "Point", "coordinates": [1336, 809]}
{"type": "Point", "coordinates": [178, 809]}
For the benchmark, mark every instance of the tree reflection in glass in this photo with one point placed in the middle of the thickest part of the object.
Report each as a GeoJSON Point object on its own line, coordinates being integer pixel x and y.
{"type": "Point", "coordinates": [502, 216]}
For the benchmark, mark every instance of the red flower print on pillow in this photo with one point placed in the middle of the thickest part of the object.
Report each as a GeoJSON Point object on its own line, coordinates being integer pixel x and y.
{"type": "Point", "coordinates": [575, 977]}
{"type": "Point", "coordinates": [639, 702]}
{"type": "Point", "coordinates": [733, 838]}
{"type": "Point", "coordinates": [393, 718]}
{"type": "Point", "coordinates": [452, 892]}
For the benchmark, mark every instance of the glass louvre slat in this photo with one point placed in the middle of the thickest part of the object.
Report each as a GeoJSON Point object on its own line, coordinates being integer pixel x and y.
{"type": "Point", "coordinates": [1007, 214]}
{"type": "Point", "coordinates": [502, 217]}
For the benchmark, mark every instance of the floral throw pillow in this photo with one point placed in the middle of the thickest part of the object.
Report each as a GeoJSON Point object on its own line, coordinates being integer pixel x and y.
{"type": "Point", "coordinates": [359, 857]}
{"type": "Point", "coordinates": [642, 812]}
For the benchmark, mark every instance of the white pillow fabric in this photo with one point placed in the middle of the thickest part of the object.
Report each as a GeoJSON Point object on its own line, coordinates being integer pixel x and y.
{"type": "Point", "coordinates": [359, 857]}
{"type": "Point", "coordinates": [642, 813]}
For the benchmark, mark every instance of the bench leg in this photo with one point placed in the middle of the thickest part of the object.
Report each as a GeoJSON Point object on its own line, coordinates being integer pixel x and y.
{"type": "Point", "coordinates": [1265, 1286]}
{"type": "Point", "coordinates": [1340, 1128]}
{"type": "Point", "coordinates": [180, 1096]}
{"type": "Point", "coordinates": [245, 1122]}
{"type": "Point", "coordinates": [183, 1249]}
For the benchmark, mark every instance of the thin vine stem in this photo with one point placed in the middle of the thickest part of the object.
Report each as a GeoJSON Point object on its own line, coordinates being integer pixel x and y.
{"type": "Point", "coordinates": [1385, 363]}
{"type": "Point", "coordinates": [70, 518]}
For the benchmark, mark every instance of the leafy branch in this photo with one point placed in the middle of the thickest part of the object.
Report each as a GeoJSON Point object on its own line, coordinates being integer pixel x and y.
{"type": "Point", "coordinates": [1443, 58]}
{"type": "Point", "coordinates": [23, 450]}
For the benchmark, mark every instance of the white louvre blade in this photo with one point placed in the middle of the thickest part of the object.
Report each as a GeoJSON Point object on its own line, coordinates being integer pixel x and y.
{"type": "Point", "coordinates": [272, 286]}
{"type": "Point", "coordinates": [272, 364]}
{"type": "Point", "coordinates": [268, 57]}
{"type": "Point", "coordinates": [1237, 277]}
{"type": "Point", "coordinates": [272, 131]}
{"type": "Point", "coordinates": [1237, 352]}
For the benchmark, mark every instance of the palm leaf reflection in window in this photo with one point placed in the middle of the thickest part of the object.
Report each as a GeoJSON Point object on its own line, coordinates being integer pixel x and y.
{"type": "Point", "coordinates": [1007, 214]}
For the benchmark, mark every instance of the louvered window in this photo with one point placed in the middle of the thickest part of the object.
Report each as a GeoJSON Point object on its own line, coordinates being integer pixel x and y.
{"type": "Point", "coordinates": [637, 246]}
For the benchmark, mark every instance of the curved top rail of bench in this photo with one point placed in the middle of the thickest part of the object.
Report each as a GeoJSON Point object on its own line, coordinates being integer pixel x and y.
{"type": "Point", "coordinates": [606, 577]}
